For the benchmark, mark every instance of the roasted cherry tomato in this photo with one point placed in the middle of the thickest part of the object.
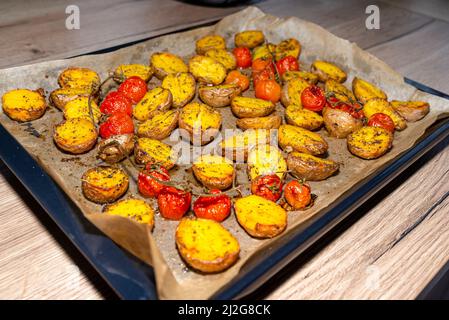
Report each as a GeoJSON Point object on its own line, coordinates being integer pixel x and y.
{"type": "Point", "coordinates": [261, 64]}
{"type": "Point", "coordinates": [268, 187]}
{"type": "Point", "coordinates": [216, 207]}
{"type": "Point", "coordinates": [381, 120]}
{"type": "Point", "coordinates": [288, 63]}
{"type": "Point", "coordinates": [243, 57]}
{"type": "Point", "coordinates": [147, 180]}
{"type": "Point", "coordinates": [236, 77]}
{"type": "Point", "coordinates": [266, 74]}
{"type": "Point", "coordinates": [313, 98]}
{"type": "Point", "coordinates": [354, 110]}
{"type": "Point", "coordinates": [268, 90]}
{"type": "Point", "coordinates": [297, 195]}
{"type": "Point", "coordinates": [118, 123]}
{"type": "Point", "coordinates": [116, 102]}
{"type": "Point", "coordinates": [134, 88]}
{"type": "Point", "coordinates": [173, 203]}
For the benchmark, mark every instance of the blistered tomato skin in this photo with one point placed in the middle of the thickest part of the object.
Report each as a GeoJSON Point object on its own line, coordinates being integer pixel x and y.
{"type": "Point", "coordinates": [148, 183]}
{"type": "Point", "coordinates": [119, 123]}
{"type": "Point", "coordinates": [174, 203]}
{"type": "Point", "coordinates": [216, 207]}
{"type": "Point", "coordinates": [134, 88]}
{"type": "Point", "coordinates": [381, 120]}
{"type": "Point", "coordinates": [297, 195]}
{"type": "Point", "coordinates": [312, 98]}
{"type": "Point", "coordinates": [268, 187]}
{"type": "Point", "coordinates": [288, 63]}
{"type": "Point", "coordinates": [116, 102]}
{"type": "Point", "coordinates": [243, 57]}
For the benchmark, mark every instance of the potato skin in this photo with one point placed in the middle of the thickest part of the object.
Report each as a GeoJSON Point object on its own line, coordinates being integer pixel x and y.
{"type": "Point", "coordinates": [378, 105]}
{"type": "Point", "coordinates": [339, 123]}
{"type": "Point", "coordinates": [292, 90]}
{"type": "Point", "coordinates": [207, 129]}
{"type": "Point", "coordinates": [210, 42]}
{"type": "Point", "coordinates": [77, 135]}
{"type": "Point", "coordinates": [219, 96]}
{"type": "Point", "coordinates": [182, 87]}
{"type": "Point", "coordinates": [160, 126]}
{"type": "Point", "coordinates": [60, 97]}
{"type": "Point", "coordinates": [296, 115]}
{"type": "Point", "coordinates": [237, 147]}
{"type": "Point", "coordinates": [249, 38]}
{"type": "Point", "coordinates": [207, 70]}
{"type": "Point", "coordinates": [301, 140]}
{"type": "Point", "coordinates": [245, 107]}
{"type": "Point", "coordinates": [165, 63]}
{"type": "Point", "coordinates": [326, 70]}
{"type": "Point", "coordinates": [309, 167]}
{"type": "Point", "coordinates": [104, 184]}
{"type": "Point", "coordinates": [24, 105]}
{"type": "Point", "coordinates": [115, 148]}
{"type": "Point", "coordinates": [411, 111]}
{"type": "Point", "coordinates": [214, 172]}
{"type": "Point", "coordinates": [273, 121]}
{"type": "Point", "coordinates": [364, 90]}
{"type": "Point", "coordinates": [370, 142]}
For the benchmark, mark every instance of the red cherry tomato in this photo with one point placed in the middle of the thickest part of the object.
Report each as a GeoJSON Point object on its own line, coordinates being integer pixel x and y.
{"type": "Point", "coordinates": [313, 98]}
{"type": "Point", "coordinates": [297, 194]}
{"type": "Point", "coordinates": [261, 64]}
{"type": "Point", "coordinates": [118, 123]}
{"type": "Point", "coordinates": [243, 57]}
{"type": "Point", "coordinates": [268, 187]}
{"type": "Point", "coordinates": [173, 203]}
{"type": "Point", "coordinates": [268, 90]}
{"type": "Point", "coordinates": [381, 120]}
{"type": "Point", "coordinates": [116, 102]}
{"type": "Point", "coordinates": [354, 110]}
{"type": "Point", "coordinates": [215, 207]}
{"type": "Point", "coordinates": [134, 88]}
{"type": "Point", "coordinates": [147, 183]}
{"type": "Point", "coordinates": [288, 63]}
{"type": "Point", "coordinates": [266, 74]}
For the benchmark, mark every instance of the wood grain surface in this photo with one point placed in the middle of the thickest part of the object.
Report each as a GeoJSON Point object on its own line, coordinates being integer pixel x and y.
{"type": "Point", "coordinates": [391, 248]}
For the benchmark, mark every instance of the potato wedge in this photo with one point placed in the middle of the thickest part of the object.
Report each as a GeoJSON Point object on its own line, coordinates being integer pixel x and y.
{"type": "Point", "coordinates": [219, 96]}
{"type": "Point", "coordinates": [206, 245]}
{"type": "Point", "coordinates": [60, 97]}
{"type": "Point", "coordinates": [273, 121]}
{"type": "Point", "coordinates": [237, 146]}
{"type": "Point", "coordinates": [309, 167]}
{"type": "Point", "coordinates": [210, 42]}
{"type": "Point", "coordinates": [289, 47]}
{"type": "Point", "coordinates": [80, 78]}
{"type": "Point", "coordinates": [310, 77]}
{"type": "Point", "coordinates": [264, 160]}
{"type": "Point", "coordinates": [301, 140]}
{"type": "Point", "coordinates": [200, 122]}
{"type": "Point", "coordinates": [225, 57]}
{"type": "Point", "coordinates": [292, 90]}
{"type": "Point", "coordinates": [260, 217]}
{"type": "Point", "coordinates": [153, 102]}
{"type": "Point", "coordinates": [364, 90]}
{"type": "Point", "coordinates": [77, 135]}
{"type": "Point", "coordinates": [326, 70]}
{"type": "Point", "coordinates": [246, 107]}
{"type": "Point", "coordinates": [79, 108]}
{"type": "Point", "coordinates": [104, 184]}
{"type": "Point", "coordinates": [24, 105]}
{"type": "Point", "coordinates": [298, 116]}
{"type": "Point", "coordinates": [207, 70]}
{"type": "Point", "coordinates": [249, 38]}
{"type": "Point", "coordinates": [214, 172]}
{"type": "Point", "coordinates": [160, 126]}
{"type": "Point", "coordinates": [378, 105]}
{"type": "Point", "coordinates": [115, 148]}
{"type": "Point", "coordinates": [411, 110]}
{"type": "Point", "coordinates": [339, 91]}
{"type": "Point", "coordinates": [134, 209]}
{"type": "Point", "coordinates": [182, 87]}
{"type": "Point", "coordinates": [165, 63]}
{"type": "Point", "coordinates": [370, 142]}
{"type": "Point", "coordinates": [124, 71]}
{"type": "Point", "coordinates": [152, 150]}
{"type": "Point", "coordinates": [340, 123]}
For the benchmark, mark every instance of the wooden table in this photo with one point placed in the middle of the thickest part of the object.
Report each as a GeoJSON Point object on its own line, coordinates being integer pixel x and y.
{"type": "Point", "coordinates": [392, 248]}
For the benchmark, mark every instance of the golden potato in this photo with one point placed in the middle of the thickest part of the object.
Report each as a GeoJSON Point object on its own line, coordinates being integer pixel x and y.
{"type": "Point", "coordinates": [81, 78]}
{"type": "Point", "coordinates": [269, 122]}
{"type": "Point", "coordinates": [79, 108]}
{"type": "Point", "coordinates": [125, 71]}
{"type": "Point", "coordinates": [104, 184]}
{"type": "Point", "coordinates": [219, 96]}
{"type": "Point", "coordinates": [60, 97]}
{"type": "Point", "coordinates": [154, 151]}
{"type": "Point", "coordinates": [134, 209]}
{"type": "Point", "coordinates": [160, 126]}
{"type": "Point", "coordinates": [339, 91]}
{"type": "Point", "coordinates": [207, 70]}
{"type": "Point", "coordinates": [165, 63]}
{"type": "Point", "coordinates": [246, 107]}
{"type": "Point", "coordinates": [306, 166]}
{"type": "Point", "coordinates": [77, 135]}
{"type": "Point", "coordinates": [292, 90]}
{"type": "Point", "coordinates": [301, 140]}
{"type": "Point", "coordinates": [24, 105]}
{"type": "Point", "coordinates": [364, 90]}
{"type": "Point", "coordinates": [200, 122]}
{"type": "Point", "coordinates": [370, 142]}
{"type": "Point", "coordinates": [340, 123]}
{"type": "Point", "coordinates": [264, 160]}
{"type": "Point", "coordinates": [289, 47]}
{"type": "Point", "coordinates": [214, 172]}
{"type": "Point", "coordinates": [310, 77]}
{"type": "Point", "coordinates": [154, 101]}
{"type": "Point", "coordinates": [210, 42]}
{"type": "Point", "coordinates": [225, 57]}
{"type": "Point", "coordinates": [249, 38]}
{"type": "Point", "coordinates": [326, 70]}
{"type": "Point", "coordinates": [298, 116]}
{"type": "Point", "coordinates": [182, 87]}
{"type": "Point", "coordinates": [206, 245]}
{"type": "Point", "coordinates": [260, 217]}
{"type": "Point", "coordinates": [378, 105]}
{"type": "Point", "coordinates": [262, 52]}
{"type": "Point", "coordinates": [115, 148]}
{"type": "Point", "coordinates": [237, 146]}
{"type": "Point", "coordinates": [411, 110]}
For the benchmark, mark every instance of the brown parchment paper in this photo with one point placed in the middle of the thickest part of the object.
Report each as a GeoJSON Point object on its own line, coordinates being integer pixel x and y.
{"type": "Point", "coordinates": [174, 279]}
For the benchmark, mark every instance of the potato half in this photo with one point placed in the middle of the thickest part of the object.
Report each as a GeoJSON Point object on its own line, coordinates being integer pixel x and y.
{"type": "Point", "coordinates": [292, 90]}
{"type": "Point", "coordinates": [262, 52]}
{"type": "Point", "coordinates": [154, 101]}
{"type": "Point", "coordinates": [24, 105]}
{"type": "Point", "coordinates": [378, 105]}
{"type": "Point", "coordinates": [207, 70]}
{"type": "Point", "coordinates": [249, 38]}
{"type": "Point", "coordinates": [165, 63]}
{"type": "Point", "coordinates": [364, 90]}
{"type": "Point", "coordinates": [77, 135]}
{"type": "Point", "coordinates": [134, 209]}
{"type": "Point", "coordinates": [200, 122]}
{"type": "Point", "coordinates": [214, 172]}
{"type": "Point", "coordinates": [219, 96]}
{"type": "Point", "coordinates": [225, 57]}
{"type": "Point", "coordinates": [298, 116]}
{"type": "Point", "coordinates": [270, 122]}
{"type": "Point", "coordinates": [370, 142]}
{"type": "Point", "coordinates": [340, 123]}
{"type": "Point", "coordinates": [182, 87]}
{"type": "Point", "coordinates": [81, 78]}
{"type": "Point", "coordinates": [154, 151]}
{"type": "Point", "coordinates": [309, 167]}
{"type": "Point", "coordinates": [60, 97]}
{"type": "Point", "coordinates": [301, 140]}
{"type": "Point", "coordinates": [104, 184]}
{"type": "Point", "coordinates": [246, 107]}
{"type": "Point", "coordinates": [411, 110]}
{"type": "Point", "coordinates": [265, 160]}
{"type": "Point", "coordinates": [124, 71]}
{"type": "Point", "coordinates": [115, 148]}
{"type": "Point", "coordinates": [326, 70]}
{"type": "Point", "coordinates": [339, 91]}
{"type": "Point", "coordinates": [308, 76]}
{"type": "Point", "coordinates": [79, 108]}
{"type": "Point", "coordinates": [289, 47]}
{"type": "Point", "coordinates": [237, 146]}
{"type": "Point", "coordinates": [160, 126]}
{"type": "Point", "coordinates": [210, 42]}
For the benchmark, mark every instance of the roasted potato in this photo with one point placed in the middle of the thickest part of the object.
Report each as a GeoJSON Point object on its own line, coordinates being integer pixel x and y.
{"type": "Point", "coordinates": [249, 38]}
{"type": "Point", "coordinates": [210, 42]}
{"type": "Point", "coordinates": [200, 122]}
{"type": "Point", "coordinates": [306, 166]}
{"type": "Point", "coordinates": [77, 135]}
{"type": "Point", "coordinates": [339, 91]}
{"type": "Point", "coordinates": [298, 116]}
{"type": "Point", "coordinates": [182, 87]}
{"type": "Point", "coordinates": [79, 108]}
{"type": "Point", "coordinates": [310, 77]}
{"type": "Point", "coordinates": [301, 140]}
{"type": "Point", "coordinates": [152, 150]}
{"type": "Point", "coordinates": [260, 217]}
{"type": "Point", "coordinates": [262, 52]}
{"type": "Point", "coordinates": [124, 71]}
{"type": "Point", "coordinates": [364, 90]}
{"type": "Point", "coordinates": [160, 126]}
{"type": "Point", "coordinates": [214, 172]}
{"type": "Point", "coordinates": [289, 47]}
{"type": "Point", "coordinates": [370, 142]}
{"type": "Point", "coordinates": [340, 123]}
{"type": "Point", "coordinates": [246, 107]}
{"type": "Point", "coordinates": [104, 184]}
{"type": "Point", "coordinates": [206, 245]}
{"type": "Point", "coordinates": [24, 105]}
{"type": "Point", "coordinates": [273, 121]}
{"type": "Point", "coordinates": [225, 57]}
{"type": "Point", "coordinates": [134, 209]}
{"type": "Point", "coordinates": [165, 63]}
{"type": "Point", "coordinates": [411, 110]}
{"type": "Point", "coordinates": [207, 70]}
{"type": "Point", "coordinates": [378, 105]}
{"type": "Point", "coordinates": [80, 78]}
{"type": "Point", "coordinates": [237, 146]}
{"type": "Point", "coordinates": [154, 101]}
{"type": "Point", "coordinates": [326, 70]}
{"type": "Point", "coordinates": [292, 90]}
{"type": "Point", "coordinates": [219, 96]}
{"type": "Point", "coordinates": [60, 97]}
{"type": "Point", "coordinates": [264, 160]}
{"type": "Point", "coordinates": [116, 148]}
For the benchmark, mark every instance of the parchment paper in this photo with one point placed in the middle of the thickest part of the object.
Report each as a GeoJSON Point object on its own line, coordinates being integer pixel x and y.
{"type": "Point", "coordinates": [174, 279]}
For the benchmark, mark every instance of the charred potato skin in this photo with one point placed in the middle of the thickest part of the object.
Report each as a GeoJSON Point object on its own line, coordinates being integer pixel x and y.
{"type": "Point", "coordinates": [213, 182]}
{"type": "Point", "coordinates": [219, 96]}
{"type": "Point", "coordinates": [158, 127]}
{"type": "Point", "coordinates": [98, 194]}
{"type": "Point", "coordinates": [340, 124]}
{"type": "Point", "coordinates": [370, 142]}
{"type": "Point", "coordinates": [210, 42]}
{"type": "Point", "coordinates": [244, 107]}
{"type": "Point", "coordinates": [199, 135]}
{"type": "Point", "coordinates": [411, 111]}
{"type": "Point", "coordinates": [64, 142]}
{"type": "Point", "coordinates": [24, 105]}
{"type": "Point", "coordinates": [378, 105]}
{"type": "Point", "coordinates": [309, 167]}
{"type": "Point", "coordinates": [269, 122]}
{"type": "Point", "coordinates": [207, 70]}
{"type": "Point", "coordinates": [296, 115]}
{"type": "Point", "coordinates": [82, 78]}
{"type": "Point", "coordinates": [327, 70]}
{"type": "Point", "coordinates": [301, 140]}
{"type": "Point", "coordinates": [249, 38]}
{"type": "Point", "coordinates": [364, 90]}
